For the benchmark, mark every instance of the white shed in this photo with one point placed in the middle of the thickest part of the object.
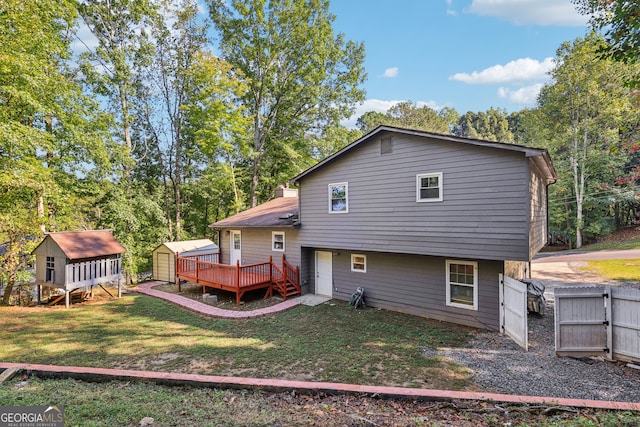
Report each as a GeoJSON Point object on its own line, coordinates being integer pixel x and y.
{"type": "Point", "coordinates": [164, 256]}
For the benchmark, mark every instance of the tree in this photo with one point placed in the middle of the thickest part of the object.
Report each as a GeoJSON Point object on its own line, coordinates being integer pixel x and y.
{"type": "Point", "coordinates": [178, 38]}
{"type": "Point", "coordinates": [119, 27]}
{"type": "Point", "coordinates": [45, 129]}
{"type": "Point", "coordinates": [621, 22]}
{"type": "Point", "coordinates": [583, 110]}
{"type": "Point", "coordinates": [409, 115]}
{"type": "Point", "coordinates": [492, 125]}
{"type": "Point", "coordinates": [219, 127]}
{"type": "Point", "coordinates": [301, 76]}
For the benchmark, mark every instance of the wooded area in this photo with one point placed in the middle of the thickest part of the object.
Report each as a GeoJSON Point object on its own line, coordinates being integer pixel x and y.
{"type": "Point", "coordinates": [141, 129]}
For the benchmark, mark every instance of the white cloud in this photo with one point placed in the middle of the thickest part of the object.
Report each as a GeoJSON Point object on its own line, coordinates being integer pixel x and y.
{"type": "Point", "coordinates": [450, 11]}
{"type": "Point", "coordinates": [520, 70]}
{"type": "Point", "coordinates": [530, 12]}
{"type": "Point", "coordinates": [391, 72]}
{"type": "Point", "coordinates": [526, 95]}
{"type": "Point", "coordinates": [382, 107]}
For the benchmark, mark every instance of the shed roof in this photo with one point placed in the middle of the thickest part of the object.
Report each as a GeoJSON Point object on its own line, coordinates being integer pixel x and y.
{"type": "Point", "coordinates": [198, 245]}
{"type": "Point", "coordinates": [86, 244]}
{"type": "Point", "coordinates": [279, 212]}
{"type": "Point", "coordinates": [539, 155]}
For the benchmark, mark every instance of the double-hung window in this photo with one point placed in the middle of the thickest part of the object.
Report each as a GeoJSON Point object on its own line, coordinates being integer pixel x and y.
{"type": "Point", "coordinates": [462, 284]}
{"type": "Point", "coordinates": [359, 263]}
{"type": "Point", "coordinates": [339, 198]}
{"type": "Point", "coordinates": [429, 187]}
{"type": "Point", "coordinates": [277, 241]}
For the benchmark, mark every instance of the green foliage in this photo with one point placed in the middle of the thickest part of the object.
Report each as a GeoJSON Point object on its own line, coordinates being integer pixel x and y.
{"type": "Point", "coordinates": [492, 125]}
{"type": "Point", "coordinates": [410, 115]}
{"type": "Point", "coordinates": [301, 78]}
{"type": "Point", "coordinates": [581, 114]}
{"type": "Point", "coordinates": [621, 22]}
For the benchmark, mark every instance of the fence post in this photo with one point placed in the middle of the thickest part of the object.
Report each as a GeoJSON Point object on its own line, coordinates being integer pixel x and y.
{"type": "Point", "coordinates": [238, 274]}
{"type": "Point", "coordinates": [608, 313]}
{"type": "Point", "coordinates": [178, 269]}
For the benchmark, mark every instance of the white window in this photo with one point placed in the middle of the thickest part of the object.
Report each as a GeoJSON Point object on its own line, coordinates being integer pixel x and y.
{"type": "Point", "coordinates": [359, 263]}
{"type": "Point", "coordinates": [338, 198]}
{"type": "Point", "coordinates": [429, 187]}
{"type": "Point", "coordinates": [277, 241]}
{"type": "Point", "coordinates": [462, 284]}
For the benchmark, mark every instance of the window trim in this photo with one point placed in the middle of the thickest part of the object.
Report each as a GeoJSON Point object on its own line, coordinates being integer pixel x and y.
{"type": "Point", "coordinates": [418, 187]}
{"type": "Point", "coordinates": [273, 241]}
{"type": "Point", "coordinates": [364, 263]}
{"type": "Point", "coordinates": [449, 283]}
{"type": "Point", "coordinates": [346, 197]}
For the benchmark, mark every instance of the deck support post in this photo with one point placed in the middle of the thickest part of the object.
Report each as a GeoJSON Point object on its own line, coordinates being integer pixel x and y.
{"type": "Point", "coordinates": [66, 298]}
{"type": "Point", "coordinates": [119, 288]}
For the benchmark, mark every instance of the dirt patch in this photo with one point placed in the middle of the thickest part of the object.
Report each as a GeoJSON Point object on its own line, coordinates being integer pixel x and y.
{"type": "Point", "coordinates": [622, 235]}
{"type": "Point", "coordinates": [252, 300]}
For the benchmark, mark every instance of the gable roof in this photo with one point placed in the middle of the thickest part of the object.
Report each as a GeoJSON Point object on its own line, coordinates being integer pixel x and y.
{"type": "Point", "coordinates": [86, 244]}
{"type": "Point", "coordinates": [198, 245]}
{"type": "Point", "coordinates": [279, 212]}
{"type": "Point", "coordinates": [540, 156]}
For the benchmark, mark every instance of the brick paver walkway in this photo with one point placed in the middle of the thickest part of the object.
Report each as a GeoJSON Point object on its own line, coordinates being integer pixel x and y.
{"type": "Point", "coordinates": [196, 380]}
{"type": "Point", "coordinates": [208, 310]}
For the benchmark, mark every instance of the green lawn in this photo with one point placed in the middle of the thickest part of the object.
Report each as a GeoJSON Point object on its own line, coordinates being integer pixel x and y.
{"type": "Point", "coordinates": [329, 342]}
{"type": "Point", "coordinates": [128, 403]}
{"type": "Point", "coordinates": [627, 270]}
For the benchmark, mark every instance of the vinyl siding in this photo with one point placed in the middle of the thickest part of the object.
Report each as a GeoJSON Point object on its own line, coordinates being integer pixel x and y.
{"type": "Point", "coordinates": [414, 284]}
{"type": "Point", "coordinates": [483, 215]}
{"type": "Point", "coordinates": [49, 248]}
{"type": "Point", "coordinates": [538, 231]}
{"type": "Point", "coordinates": [255, 245]}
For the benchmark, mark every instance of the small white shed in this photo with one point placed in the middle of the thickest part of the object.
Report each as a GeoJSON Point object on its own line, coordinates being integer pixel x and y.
{"type": "Point", "coordinates": [164, 256]}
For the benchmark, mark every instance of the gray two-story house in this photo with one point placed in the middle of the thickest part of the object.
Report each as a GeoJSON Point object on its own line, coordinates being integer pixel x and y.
{"type": "Point", "coordinates": [424, 222]}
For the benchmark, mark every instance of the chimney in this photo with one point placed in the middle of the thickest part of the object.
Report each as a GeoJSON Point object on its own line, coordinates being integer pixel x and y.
{"type": "Point", "coordinates": [285, 191]}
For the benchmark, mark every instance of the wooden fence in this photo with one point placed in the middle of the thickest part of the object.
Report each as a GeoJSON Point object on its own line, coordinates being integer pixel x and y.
{"type": "Point", "coordinates": [598, 321]}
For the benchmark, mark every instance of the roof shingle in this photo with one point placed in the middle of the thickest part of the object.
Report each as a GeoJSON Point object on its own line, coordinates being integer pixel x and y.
{"type": "Point", "coordinates": [279, 212]}
{"type": "Point", "coordinates": [87, 244]}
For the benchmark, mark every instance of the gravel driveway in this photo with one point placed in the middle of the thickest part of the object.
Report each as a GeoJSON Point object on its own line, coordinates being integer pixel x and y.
{"type": "Point", "coordinates": [501, 366]}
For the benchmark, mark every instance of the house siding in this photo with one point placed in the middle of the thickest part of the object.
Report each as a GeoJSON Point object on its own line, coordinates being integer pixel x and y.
{"type": "Point", "coordinates": [538, 227]}
{"type": "Point", "coordinates": [483, 215]}
{"type": "Point", "coordinates": [414, 284]}
{"type": "Point", "coordinates": [256, 245]}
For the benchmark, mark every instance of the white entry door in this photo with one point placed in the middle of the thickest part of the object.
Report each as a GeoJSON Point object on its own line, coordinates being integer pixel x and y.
{"type": "Point", "coordinates": [324, 273]}
{"type": "Point", "coordinates": [513, 310]}
{"type": "Point", "coordinates": [235, 249]}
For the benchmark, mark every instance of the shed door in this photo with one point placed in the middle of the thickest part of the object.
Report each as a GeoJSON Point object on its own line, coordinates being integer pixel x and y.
{"type": "Point", "coordinates": [162, 267]}
{"type": "Point", "coordinates": [235, 248]}
{"type": "Point", "coordinates": [513, 310]}
{"type": "Point", "coordinates": [324, 273]}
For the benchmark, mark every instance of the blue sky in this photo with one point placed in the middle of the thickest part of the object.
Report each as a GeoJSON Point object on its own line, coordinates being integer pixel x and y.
{"type": "Point", "coordinates": [467, 54]}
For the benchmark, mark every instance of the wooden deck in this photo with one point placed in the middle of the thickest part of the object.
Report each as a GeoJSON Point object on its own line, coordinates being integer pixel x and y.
{"type": "Point", "coordinates": [240, 279]}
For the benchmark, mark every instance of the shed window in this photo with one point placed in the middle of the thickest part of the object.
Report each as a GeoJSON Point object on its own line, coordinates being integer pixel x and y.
{"type": "Point", "coordinates": [462, 284]}
{"type": "Point", "coordinates": [277, 241]}
{"type": "Point", "coordinates": [50, 270]}
{"type": "Point", "coordinates": [338, 198]}
{"type": "Point", "coordinates": [359, 263]}
{"type": "Point", "coordinates": [429, 187]}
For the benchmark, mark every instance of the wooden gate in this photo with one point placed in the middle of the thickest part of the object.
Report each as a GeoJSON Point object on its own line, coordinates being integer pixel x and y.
{"type": "Point", "coordinates": [513, 310]}
{"type": "Point", "coordinates": [599, 320]}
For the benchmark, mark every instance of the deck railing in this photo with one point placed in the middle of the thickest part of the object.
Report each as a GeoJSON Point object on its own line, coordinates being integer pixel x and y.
{"type": "Point", "coordinates": [238, 277]}
{"type": "Point", "coordinates": [291, 274]}
{"type": "Point", "coordinates": [94, 272]}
